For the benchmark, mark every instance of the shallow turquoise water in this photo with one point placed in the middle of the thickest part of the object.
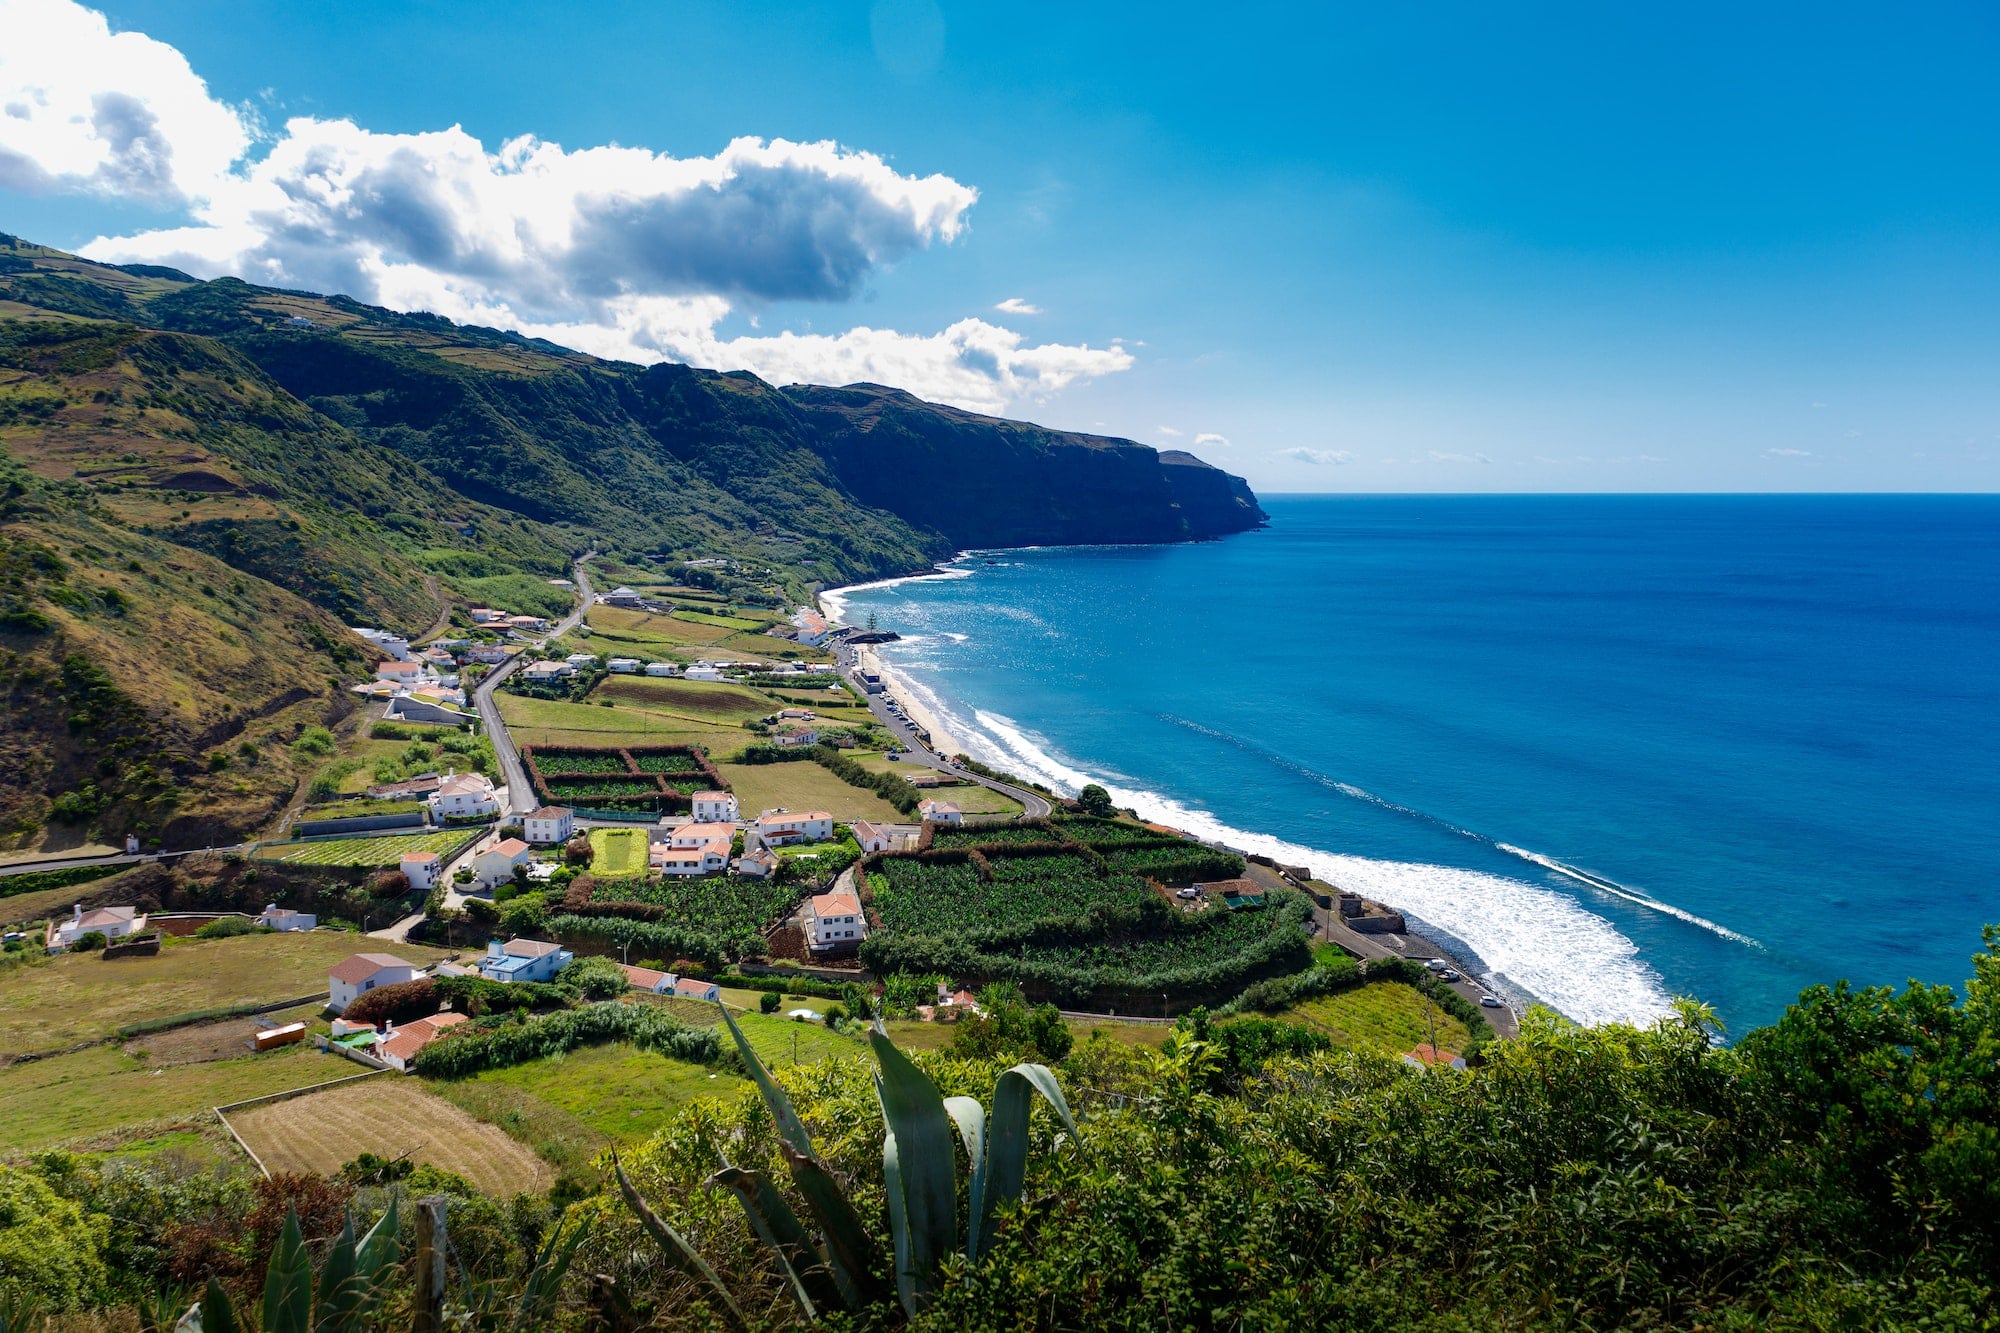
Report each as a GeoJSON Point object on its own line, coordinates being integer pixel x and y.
{"type": "Point", "coordinates": [1618, 747]}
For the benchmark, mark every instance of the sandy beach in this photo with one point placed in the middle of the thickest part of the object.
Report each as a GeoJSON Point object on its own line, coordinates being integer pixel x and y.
{"type": "Point", "coordinates": [943, 740]}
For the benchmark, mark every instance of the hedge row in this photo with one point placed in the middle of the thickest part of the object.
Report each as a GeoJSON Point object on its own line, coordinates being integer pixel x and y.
{"type": "Point", "coordinates": [461, 1052]}
{"type": "Point", "coordinates": [34, 881]}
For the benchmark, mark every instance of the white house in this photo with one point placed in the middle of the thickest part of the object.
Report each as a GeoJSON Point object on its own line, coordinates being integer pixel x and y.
{"type": "Point", "coordinates": [648, 979]}
{"type": "Point", "coordinates": [484, 615]}
{"type": "Point", "coordinates": [690, 989]}
{"type": "Point", "coordinates": [492, 654]}
{"type": "Point", "coordinates": [875, 837]}
{"type": "Point", "coordinates": [582, 661]}
{"type": "Point", "coordinates": [624, 597]}
{"type": "Point", "coordinates": [421, 869]}
{"type": "Point", "coordinates": [399, 1045]}
{"type": "Point", "coordinates": [780, 828]}
{"type": "Point", "coordinates": [834, 921]}
{"type": "Point", "coordinates": [662, 669]}
{"type": "Point", "coordinates": [114, 923]}
{"type": "Point", "coordinates": [464, 795]}
{"type": "Point", "coordinates": [496, 864]}
{"type": "Point", "coordinates": [523, 960]}
{"type": "Point", "coordinates": [709, 859]}
{"type": "Point", "coordinates": [812, 627]}
{"type": "Point", "coordinates": [940, 812]}
{"type": "Point", "coordinates": [707, 673]}
{"type": "Point", "coordinates": [623, 666]}
{"type": "Point", "coordinates": [700, 835]}
{"type": "Point", "coordinates": [353, 977]}
{"type": "Point", "coordinates": [550, 824]}
{"type": "Point", "coordinates": [715, 807]}
{"type": "Point", "coordinates": [400, 673]}
{"type": "Point", "coordinates": [544, 673]}
{"type": "Point", "coordinates": [391, 645]}
{"type": "Point", "coordinates": [793, 737]}
{"type": "Point", "coordinates": [284, 918]}
{"type": "Point", "coordinates": [758, 864]}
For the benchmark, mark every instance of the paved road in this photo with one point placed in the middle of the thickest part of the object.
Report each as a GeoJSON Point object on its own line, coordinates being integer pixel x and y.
{"type": "Point", "coordinates": [1033, 804]}
{"type": "Point", "coordinates": [520, 792]}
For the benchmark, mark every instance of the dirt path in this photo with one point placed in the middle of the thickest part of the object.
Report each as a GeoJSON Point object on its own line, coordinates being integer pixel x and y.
{"type": "Point", "coordinates": [443, 621]}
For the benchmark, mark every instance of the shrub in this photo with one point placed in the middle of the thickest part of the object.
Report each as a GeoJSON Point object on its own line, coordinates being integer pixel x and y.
{"type": "Point", "coordinates": [404, 1002]}
{"type": "Point", "coordinates": [228, 927]}
{"type": "Point", "coordinates": [314, 741]}
{"type": "Point", "coordinates": [578, 851]}
{"type": "Point", "coordinates": [651, 1029]}
{"type": "Point", "coordinates": [594, 978]}
{"type": "Point", "coordinates": [768, 1002]}
{"type": "Point", "coordinates": [89, 942]}
{"type": "Point", "coordinates": [1094, 800]}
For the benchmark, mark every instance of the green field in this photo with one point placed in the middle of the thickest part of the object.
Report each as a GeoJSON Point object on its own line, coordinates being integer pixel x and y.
{"type": "Point", "coordinates": [722, 621]}
{"type": "Point", "coordinates": [53, 1003]}
{"type": "Point", "coordinates": [103, 1093]}
{"type": "Point", "coordinates": [702, 702]}
{"type": "Point", "coordinates": [380, 851]}
{"type": "Point", "coordinates": [618, 851]}
{"type": "Point", "coordinates": [801, 784]}
{"type": "Point", "coordinates": [972, 798]}
{"type": "Point", "coordinates": [555, 722]}
{"type": "Point", "coordinates": [1385, 1016]}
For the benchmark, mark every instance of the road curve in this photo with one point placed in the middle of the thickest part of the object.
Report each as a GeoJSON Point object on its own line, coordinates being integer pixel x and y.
{"type": "Point", "coordinates": [520, 792]}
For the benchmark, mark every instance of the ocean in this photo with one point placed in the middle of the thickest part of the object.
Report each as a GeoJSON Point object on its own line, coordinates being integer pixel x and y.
{"type": "Point", "coordinates": [1611, 748]}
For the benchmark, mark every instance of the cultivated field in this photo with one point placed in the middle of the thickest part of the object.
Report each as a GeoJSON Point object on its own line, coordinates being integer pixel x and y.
{"type": "Point", "coordinates": [1385, 1016]}
{"type": "Point", "coordinates": [556, 722]}
{"type": "Point", "coordinates": [54, 1003]}
{"type": "Point", "coordinates": [700, 701]}
{"type": "Point", "coordinates": [102, 1095]}
{"type": "Point", "coordinates": [801, 784]}
{"type": "Point", "coordinates": [389, 1115]}
{"type": "Point", "coordinates": [382, 851]}
{"type": "Point", "coordinates": [618, 851]}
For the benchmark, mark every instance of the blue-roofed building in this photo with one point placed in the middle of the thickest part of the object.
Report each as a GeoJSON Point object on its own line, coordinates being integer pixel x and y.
{"type": "Point", "coordinates": [524, 960]}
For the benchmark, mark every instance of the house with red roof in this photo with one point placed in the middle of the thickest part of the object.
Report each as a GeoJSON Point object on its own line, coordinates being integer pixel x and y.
{"type": "Point", "coordinates": [399, 1045]}
{"type": "Point", "coordinates": [834, 921]}
{"type": "Point", "coordinates": [355, 976]}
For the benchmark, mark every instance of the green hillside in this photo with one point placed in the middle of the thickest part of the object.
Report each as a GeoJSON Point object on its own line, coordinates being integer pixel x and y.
{"type": "Point", "coordinates": [242, 471]}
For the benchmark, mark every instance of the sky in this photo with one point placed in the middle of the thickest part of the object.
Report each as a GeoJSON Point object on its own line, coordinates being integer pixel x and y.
{"type": "Point", "coordinates": [1450, 247]}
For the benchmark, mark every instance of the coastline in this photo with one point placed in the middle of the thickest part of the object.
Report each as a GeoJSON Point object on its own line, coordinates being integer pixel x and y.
{"type": "Point", "coordinates": [1524, 942]}
{"type": "Point", "coordinates": [944, 740]}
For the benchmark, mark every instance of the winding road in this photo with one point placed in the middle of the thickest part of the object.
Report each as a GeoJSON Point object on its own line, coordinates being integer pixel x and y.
{"type": "Point", "coordinates": [520, 793]}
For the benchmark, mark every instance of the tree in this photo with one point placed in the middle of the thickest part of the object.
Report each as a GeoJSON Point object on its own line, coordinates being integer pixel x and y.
{"type": "Point", "coordinates": [1096, 801]}
{"type": "Point", "coordinates": [768, 1002]}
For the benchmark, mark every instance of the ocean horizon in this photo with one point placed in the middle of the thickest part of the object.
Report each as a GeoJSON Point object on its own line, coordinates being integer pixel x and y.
{"type": "Point", "coordinates": [1611, 749]}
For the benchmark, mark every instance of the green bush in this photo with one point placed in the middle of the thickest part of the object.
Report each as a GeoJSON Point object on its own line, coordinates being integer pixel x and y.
{"type": "Point", "coordinates": [768, 1002]}
{"type": "Point", "coordinates": [461, 1053]}
{"type": "Point", "coordinates": [594, 978]}
{"type": "Point", "coordinates": [228, 927]}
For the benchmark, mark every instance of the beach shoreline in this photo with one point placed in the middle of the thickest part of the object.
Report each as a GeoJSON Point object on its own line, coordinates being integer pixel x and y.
{"type": "Point", "coordinates": [944, 740]}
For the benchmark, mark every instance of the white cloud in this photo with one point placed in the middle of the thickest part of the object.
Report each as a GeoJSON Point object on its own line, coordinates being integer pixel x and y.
{"type": "Point", "coordinates": [1210, 437]}
{"type": "Point", "coordinates": [622, 252]}
{"type": "Point", "coordinates": [1437, 457]}
{"type": "Point", "coordinates": [1788, 453]}
{"type": "Point", "coordinates": [1322, 457]}
{"type": "Point", "coordinates": [1169, 431]}
{"type": "Point", "coordinates": [1014, 305]}
{"type": "Point", "coordinates": [83, 109]}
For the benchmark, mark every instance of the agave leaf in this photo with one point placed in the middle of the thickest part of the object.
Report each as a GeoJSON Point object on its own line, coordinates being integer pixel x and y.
{"type": "Point", "coordinates": [675, 1246]}
{"type": "Point", "coordinates": [899, 1223]}
{"type": "Point", "coordinates": [806, 1274]}
{"type": "Point", "coordinates": [288, 1282]}
{"type": "Point", "coordinates": [790, 1127]}
{"type": "Point", "coordinates": [970, 1117]}
{"type": "Point", "coordinates": [1007, 1140]}
{"type": "Point", "coordinates": [341, 1289]}
{"type": "Point", "coordinates": [544, 1284]}
{"type": "Point", "coordinates": [378, 1249]}
{"type": "Point", "coordinates": [927, 1169]}
{"type": "Point", "coordinates": [850, 1249]}
{"type": "Point", "coordinates": [216, 1314]}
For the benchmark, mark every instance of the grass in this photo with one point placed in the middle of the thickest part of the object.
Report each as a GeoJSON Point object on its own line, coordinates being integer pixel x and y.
{"type": "Point", "coordinates": [802, 784]}
{"type": "Point", "coordinates": [103, 1095]}
{"type": "Point", "coordinates": [556, 722]}
{"type": "Point", "coordinates": [40, 906]}
{"type": "Point", "coordinates": [55, 1003]}
{"type": "Point", "coordinates": [724, 622]}
{"type": "Point", "coordinates": [618, 851]}
{"type": "Point", "coordinates": [1385, 1016]}
{"type": "Point", "coordinates": [381, 851]}
{"type": "Point", "coordinates": [389, 1115]}
{"type": "Point", "coordinates": [698, 701]}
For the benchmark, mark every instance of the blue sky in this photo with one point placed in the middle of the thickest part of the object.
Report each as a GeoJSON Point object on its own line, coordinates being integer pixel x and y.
{"type": "Point", "coordinates": [1462, 247]}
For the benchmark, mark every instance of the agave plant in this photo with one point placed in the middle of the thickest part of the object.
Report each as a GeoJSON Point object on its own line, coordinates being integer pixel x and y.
{"type": "Point", "coordinates": [349, 1285]}
{"type": "Point", "coordinates": [919, 1168]}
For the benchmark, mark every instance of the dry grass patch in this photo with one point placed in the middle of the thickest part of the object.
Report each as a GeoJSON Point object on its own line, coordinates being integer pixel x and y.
{"type": "Point", "coordinates": [703, 699]}
{"type": "Point", "coordinates": [801, 784]}
{"type": "Point", "coordinates": [392, 1116]}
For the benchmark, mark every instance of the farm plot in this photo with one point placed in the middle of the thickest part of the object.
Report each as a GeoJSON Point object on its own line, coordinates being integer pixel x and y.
{"type": "Point", "coordinates": [994, 835]}
{"type": "Point", "coordinates": [706, 700]}
{"type": "Point", "coordinates": [801, 784]}
{"type": "Point", "coordinates": [939, 898]}
{"type": "Point", "coordinates": [652, 778]}
{"type": "Point", "coordinates": [724, 908]}
{"type": "Point", "coordinates": [390, 1116]}
{"type": "Point", "coordinates": [385, 851]}
{"type": "Point", "coordinates": [618, 851]}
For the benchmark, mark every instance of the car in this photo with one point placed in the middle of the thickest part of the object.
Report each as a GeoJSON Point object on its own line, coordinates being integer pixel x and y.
{"type": "Point", "coordinates": [1437, 965]}
{"type": "Point", "coordinates": [1488, 1002]}
{"type": "Point", "coordinates": [1448, 975]}
{"type": "Point", "coordinates": [1187, 893]}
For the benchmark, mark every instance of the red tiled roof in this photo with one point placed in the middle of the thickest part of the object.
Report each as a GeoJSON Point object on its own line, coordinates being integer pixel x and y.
{"type": "Point", "coordinates": [420, 856]}
{"type": "Point", "coordinates": [358, 968]}
{"type": "Point", "coordinates": [530, 948]}
{"type": "Point", "coordinates": [836, 904]}
{"type": "Point", "coordinates": [413, 1037]}
{"type": "Point", "coordinates": [509, 847]}
{"type": "Point", "coordinates": [645, 978]}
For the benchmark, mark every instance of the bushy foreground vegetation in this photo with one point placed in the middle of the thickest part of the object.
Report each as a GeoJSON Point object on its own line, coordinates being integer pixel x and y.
{"type": "Point", "coordinates": [1833, 1170]}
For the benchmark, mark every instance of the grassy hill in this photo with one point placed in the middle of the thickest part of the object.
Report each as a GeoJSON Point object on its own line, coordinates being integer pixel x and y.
{"type": "Point", "coordinates": [204, 481]}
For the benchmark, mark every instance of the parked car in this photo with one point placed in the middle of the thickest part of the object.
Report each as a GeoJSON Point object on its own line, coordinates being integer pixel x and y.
{"type": "Point", "coordinates": [1447, 974]}
{"type": "Point", "coordinates": [1488, 1002]}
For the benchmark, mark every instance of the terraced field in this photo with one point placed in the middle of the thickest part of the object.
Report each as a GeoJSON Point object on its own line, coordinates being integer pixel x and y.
{"type": "Point", "coordinates": [383, 851]}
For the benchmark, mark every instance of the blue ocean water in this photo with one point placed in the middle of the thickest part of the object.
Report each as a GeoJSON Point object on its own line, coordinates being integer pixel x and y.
{"type": "Point", "coordinates": [1618, 748]}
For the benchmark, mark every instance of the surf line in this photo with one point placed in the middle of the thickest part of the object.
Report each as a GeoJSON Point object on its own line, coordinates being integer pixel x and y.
{"type": "Point", "coordinates": [1584, 877]}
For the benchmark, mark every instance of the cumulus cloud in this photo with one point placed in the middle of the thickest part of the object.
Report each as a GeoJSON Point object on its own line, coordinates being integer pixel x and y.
{"type": "Point", "coordinates": [1210, 437]}
{"type": "Point", "coordinates": [1320, 457]}
{"type": "Point", "coordinates": [1788, 453]}
{"type": "Point", "coordinates": [1437, 457]}
{"type": "Point", "coordinates": [1169, 432]}
{"type": "Point", "coordinates": [1014, 305]}
{"type": "Point", "coordinates": [622, 252]}
{"type": "Point", "coordinates": [87, 110]}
